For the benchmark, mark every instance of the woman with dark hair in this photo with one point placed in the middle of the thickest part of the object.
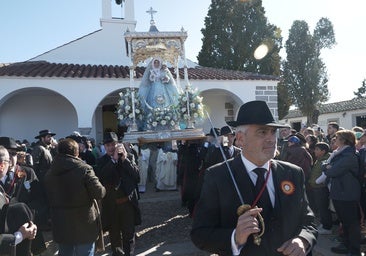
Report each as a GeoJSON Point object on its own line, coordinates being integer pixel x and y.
{"type": "Point", "coordinates": [342, 171]}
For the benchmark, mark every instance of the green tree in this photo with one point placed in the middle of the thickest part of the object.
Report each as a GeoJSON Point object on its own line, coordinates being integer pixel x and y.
{"type": "Point", "coordinates": [233, 30]}
{"type": "Point", "coordinates": [284, 100]}
{"type": "Point", "coordinates": [304, 73]}
{"type": "Point", "coordinates": [361, 91]}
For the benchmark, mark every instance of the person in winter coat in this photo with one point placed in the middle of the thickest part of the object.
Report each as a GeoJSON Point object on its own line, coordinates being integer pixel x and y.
{"type": "Point", "coordinates": [72, 187]}
{"type": "Point", "coordinates": [342, 171]}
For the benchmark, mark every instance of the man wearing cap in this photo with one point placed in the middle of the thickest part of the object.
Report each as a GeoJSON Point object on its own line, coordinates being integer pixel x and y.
{"type": "Point", "coordinates": [284, 134]}
{"type": "Point", "coordinates": [120, 211]}
{"type": "Point", "coordinates": [297, 154]}
{"type": "Point", "coordinates": [272, 188]}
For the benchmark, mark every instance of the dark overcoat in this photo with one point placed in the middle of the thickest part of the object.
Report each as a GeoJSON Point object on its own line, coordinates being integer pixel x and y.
{"type": "Point", "coordinates": [215, 215]}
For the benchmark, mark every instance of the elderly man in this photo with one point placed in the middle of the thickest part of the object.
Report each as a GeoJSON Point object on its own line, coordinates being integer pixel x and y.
{"type": "Point", "coordinates": [272, 188]}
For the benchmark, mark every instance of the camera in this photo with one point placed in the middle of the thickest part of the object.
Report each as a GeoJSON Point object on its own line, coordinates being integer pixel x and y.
{"type": "Point", "coordinates": [119, 148]}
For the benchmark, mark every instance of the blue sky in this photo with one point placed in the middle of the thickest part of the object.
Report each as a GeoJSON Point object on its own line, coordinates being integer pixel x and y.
{"type": "Point", "coordinates": [29, 28]}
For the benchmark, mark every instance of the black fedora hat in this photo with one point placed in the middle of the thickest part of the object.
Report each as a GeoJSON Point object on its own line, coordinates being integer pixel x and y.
{"type": "Point", "coordinates": [227, 130]}
{"type": "Point", "coordinates": [9, 143]}
{"type": "Point", "coordinates": [255, 112]}
{"type": "Point", "coordinates": [212, 133]}
{"type": "Point", "coordinates": [110, 137]}
{"type": "Point", "coordinates": [44, 133]}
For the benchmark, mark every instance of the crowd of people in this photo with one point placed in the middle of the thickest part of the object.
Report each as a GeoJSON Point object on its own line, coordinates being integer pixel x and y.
{"type": "Point", "coordinates": [249, 176]}
{"type": "Point", "coordinates": [70, 187]}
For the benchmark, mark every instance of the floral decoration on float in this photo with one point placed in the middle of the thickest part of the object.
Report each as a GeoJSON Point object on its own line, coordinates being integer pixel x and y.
{"type": "Point", "coordinates": [190, 108]}
{"type": "Point", "coordinates": [162, 119]}
{"type": "Point", "coordinates": [129, 108]}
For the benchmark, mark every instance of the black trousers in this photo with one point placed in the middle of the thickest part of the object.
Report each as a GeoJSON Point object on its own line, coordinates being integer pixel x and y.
{"type": "Point", "coordinates": [348, 214]}
{"type": "Point", "coordinates": [124, 223]}
{"type": "Point", "coordinates": [321, 201]}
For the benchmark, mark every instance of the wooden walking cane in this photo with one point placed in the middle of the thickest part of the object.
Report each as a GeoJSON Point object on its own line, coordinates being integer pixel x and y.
{"type": "Point", "coordinates": [99, 244]}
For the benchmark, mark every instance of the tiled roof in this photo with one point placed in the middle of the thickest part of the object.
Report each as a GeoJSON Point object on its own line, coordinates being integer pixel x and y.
{"type": "Point", "coordinates": [335, 107]}
{"type": "Point", "coordinates": [46, 69]}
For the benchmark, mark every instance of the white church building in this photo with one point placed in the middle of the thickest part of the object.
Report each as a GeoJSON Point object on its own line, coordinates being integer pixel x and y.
{"type": "Point", "coordinates": [75, 87]}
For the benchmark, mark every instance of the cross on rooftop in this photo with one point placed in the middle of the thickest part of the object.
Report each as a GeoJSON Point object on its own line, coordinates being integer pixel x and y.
{"type": "Point", "coordinates": [151, 11]}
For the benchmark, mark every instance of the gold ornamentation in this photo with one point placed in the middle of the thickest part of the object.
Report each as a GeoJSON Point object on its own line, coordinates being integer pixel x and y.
{"type": "Point", "coordinates": [256, 237]}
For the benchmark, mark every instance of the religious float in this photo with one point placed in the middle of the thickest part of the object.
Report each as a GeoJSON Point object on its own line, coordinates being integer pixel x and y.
{"type": "Point", "coordinates": [160, 108]}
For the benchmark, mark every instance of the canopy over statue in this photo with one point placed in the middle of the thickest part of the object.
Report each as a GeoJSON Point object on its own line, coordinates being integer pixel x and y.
{"type": "Point", "coordinates": [160, 103]}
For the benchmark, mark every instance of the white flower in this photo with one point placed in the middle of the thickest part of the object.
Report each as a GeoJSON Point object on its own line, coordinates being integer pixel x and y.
{"type": "Point", "coordinates": [121, 117]}
{"type": "Point", "coordinates": [121, 94]}
{"type": "Point", "coordinates": [195, 115]}
{"type": "Point", "coordinates": [127, 108]}
{"type": "Point", "coordinates": [184, 98]}
{"type": "Point", "coordinates": [172, 123]}
{"type": "Point", "coordinates": [192, 105]}
{"type": "Point", "coordinates": [183, 110]}
{"type": "Point", "coordinates": [121, 102]}
{"type": "Point", "coordinates": [167, 118]}
{"type": "Point", "coordinates": [137, 111]}
{"type": "Point", "coordinates": [154, 124]}
{"type": "Point", "coordinates": [130, 115]}
{"type": "Point", "coordinates": [185, 116]}
{"type": "Point", "coordinates": [163, 122]}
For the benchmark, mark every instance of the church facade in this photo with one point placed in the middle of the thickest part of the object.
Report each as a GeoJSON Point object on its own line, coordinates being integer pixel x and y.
{"type": "Point", "coordinates": [75, 87]}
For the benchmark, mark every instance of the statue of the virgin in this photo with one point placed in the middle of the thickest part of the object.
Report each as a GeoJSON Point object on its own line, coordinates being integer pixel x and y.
{"type": "Point", "coordinates": [158, 88]}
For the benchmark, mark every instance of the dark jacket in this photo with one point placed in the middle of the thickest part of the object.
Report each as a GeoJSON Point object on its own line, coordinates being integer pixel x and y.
{"type": "Point", "coordinates": [12, 216]}
{"type": "Point", "coordinates": [42, 159]}
{"type": "Point", "coordinates": [71, 188]}
{"type": "Point", "coordinates": [26, 188]}
{"type": "Point", "coordinates": [216, 211]}
{"type": "Point", "coordinates": [120, 180]}
{"type": "Point", "coordinates": [344, 176]}
{"type": "Point", "coordinates": [298, 155]}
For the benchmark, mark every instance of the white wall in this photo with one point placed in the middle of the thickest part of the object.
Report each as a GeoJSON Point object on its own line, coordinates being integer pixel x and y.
{"type": "Point", "coordinates": [24, 115]}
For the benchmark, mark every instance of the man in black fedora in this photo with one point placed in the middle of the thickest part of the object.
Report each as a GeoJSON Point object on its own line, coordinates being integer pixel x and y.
{"type": "Point", "coordinates": [42, 160]}
{"type": "Point", "coordinates": [42, 157]}
{"type": "Point", "coordinates": [272, 188]}
{"type": "Point", "coordinates": [120, 210]}
{"type": "Point", "coordinates": [229, 149]}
